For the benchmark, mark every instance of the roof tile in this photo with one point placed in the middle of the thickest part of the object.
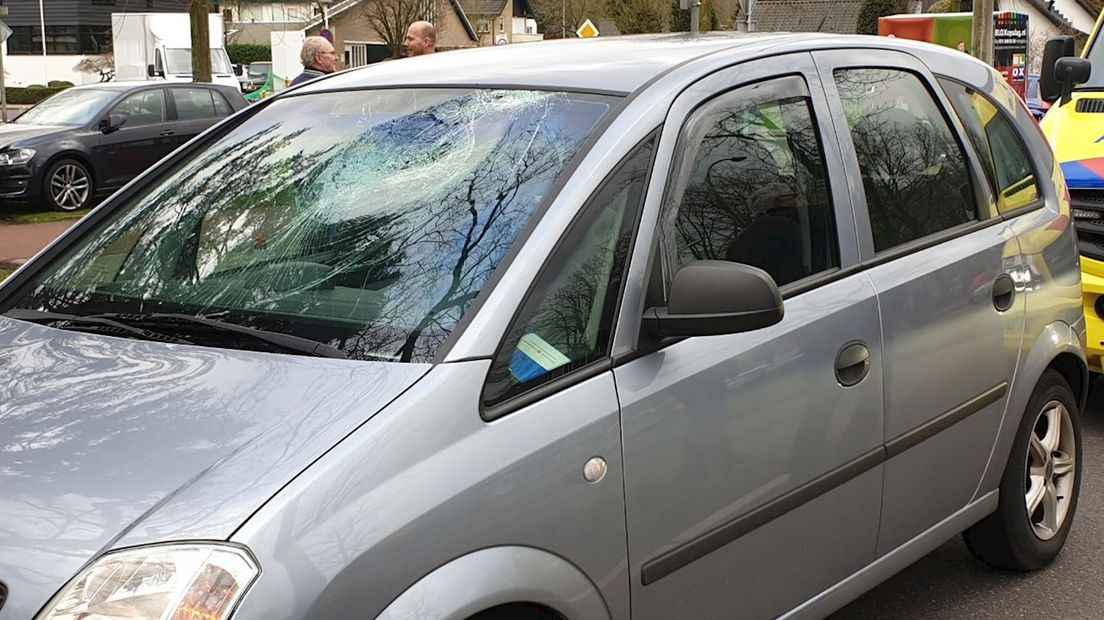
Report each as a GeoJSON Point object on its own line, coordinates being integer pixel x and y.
{"type": "Point", "coordinates": [836, 16]}
{"type": "Point", "coordinates": [483, 7]}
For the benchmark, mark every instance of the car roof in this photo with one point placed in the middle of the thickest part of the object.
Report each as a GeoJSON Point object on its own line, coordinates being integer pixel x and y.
{"type": "Point", "coordinates": [136, 84]}
{"type": "Point", "coordinates": [614, 64]}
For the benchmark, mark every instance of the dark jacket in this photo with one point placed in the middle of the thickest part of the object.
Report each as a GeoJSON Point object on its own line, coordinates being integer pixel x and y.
{"type": "Point", "coordinates": [307, 75]}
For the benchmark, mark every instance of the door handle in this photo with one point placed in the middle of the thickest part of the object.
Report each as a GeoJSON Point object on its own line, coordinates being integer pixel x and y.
{"type": "Point", "coordinates": [852, 364]}
{"type": "Point", "coordinates": [1004, 292]}
{"type": "Point", "coordinates": [167, 132]}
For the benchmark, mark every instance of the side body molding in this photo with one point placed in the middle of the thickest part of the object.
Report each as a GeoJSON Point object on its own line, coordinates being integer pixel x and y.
{"type": "Point", "coordinates": [496, 576]}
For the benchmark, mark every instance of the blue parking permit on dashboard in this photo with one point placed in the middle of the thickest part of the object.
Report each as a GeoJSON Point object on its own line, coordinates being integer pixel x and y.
{"type": "Point", "coordinates": [534, 357]}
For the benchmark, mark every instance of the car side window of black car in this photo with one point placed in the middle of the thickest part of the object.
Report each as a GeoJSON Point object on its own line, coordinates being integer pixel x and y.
{"type": "Point", "coordinates": [143, 108]}
{"type": "Point", "coordinates": [751, 185]}
{"type": "Point", "coordinates": [1000, 147]}
{"type": "Point", "coordinates": [566, 322]}
{"type": "Point", "coordinates": [195, 103]}
{"type": "Point", "coordinates": [914, 171]}
{"type": "Point", "coordinates": [222, 108]}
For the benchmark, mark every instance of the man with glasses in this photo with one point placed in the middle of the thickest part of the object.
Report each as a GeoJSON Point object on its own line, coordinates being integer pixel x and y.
{"type": "Point", "coordinates": [318, 57]}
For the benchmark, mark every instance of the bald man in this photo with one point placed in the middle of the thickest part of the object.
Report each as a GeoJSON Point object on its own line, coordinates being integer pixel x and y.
{"type": "Point", "coordinates": [421, 38]}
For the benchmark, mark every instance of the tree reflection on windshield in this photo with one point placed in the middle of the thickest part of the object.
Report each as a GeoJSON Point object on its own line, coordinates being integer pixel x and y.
{"type": "Point", "coordinates": [367, 220]}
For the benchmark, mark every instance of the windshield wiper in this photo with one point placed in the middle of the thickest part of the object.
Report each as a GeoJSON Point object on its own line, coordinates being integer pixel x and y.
{"type": "Point", "coordinates": [158, 321]}
{"type": "Point", "coordinates": [82, 323]}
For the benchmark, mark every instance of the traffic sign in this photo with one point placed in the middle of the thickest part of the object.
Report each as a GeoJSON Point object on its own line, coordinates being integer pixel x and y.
{"type": "Point", "coordinates": [588, 30]}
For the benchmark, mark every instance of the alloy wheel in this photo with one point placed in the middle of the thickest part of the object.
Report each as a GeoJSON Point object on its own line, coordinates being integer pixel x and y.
{"type": "Point", "coordinates": [69, 187]}
{"type": "Point", "coordinates": [1051, 469]}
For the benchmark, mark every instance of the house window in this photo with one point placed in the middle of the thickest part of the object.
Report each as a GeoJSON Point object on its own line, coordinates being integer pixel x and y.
{"type": "Point", "coordinates": [251, 13]}
{"type": "Point", "coordinates": [95, 39]}
{"type": "Point", "coordinates": [429, 11]}
{"type": "Point", "coordinates": [356, 54]}
{"type": "Point", "coordinates": [28, 40]}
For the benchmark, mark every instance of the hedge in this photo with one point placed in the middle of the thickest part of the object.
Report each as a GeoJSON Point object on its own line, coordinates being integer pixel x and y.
{"type": "Point", "coordinates": [871, 10]}
{"type": "Point", "coordinates": [245, 53]}
{"type": "Point", "coordinates": [31, 94]}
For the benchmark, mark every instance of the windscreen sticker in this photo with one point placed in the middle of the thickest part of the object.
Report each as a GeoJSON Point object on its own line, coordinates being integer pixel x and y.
{"type": "Point", "coordinates": [534, 357]}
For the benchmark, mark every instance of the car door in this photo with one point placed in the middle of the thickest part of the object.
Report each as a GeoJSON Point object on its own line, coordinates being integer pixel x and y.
{"type": "Point", "coordinates": [945, 268]}
{"type": "Point", "coordinates": [145, 137]}
{"type": "Point", "coordinates": [197, 108]}
{"type": "Point", "coordinates": [752, 461]}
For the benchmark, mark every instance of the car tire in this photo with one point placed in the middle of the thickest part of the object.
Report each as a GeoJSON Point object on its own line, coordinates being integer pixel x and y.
{"type": "Point", "coordinates": [1040, 486]}
{"type": "Point", "coordinates": [68, 185]}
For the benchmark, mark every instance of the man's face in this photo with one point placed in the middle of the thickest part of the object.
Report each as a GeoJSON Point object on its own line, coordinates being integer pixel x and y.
{"type": "Point", "coordinates": [414, 43]}
{"type": "Point", "coordinates": [326, 60]}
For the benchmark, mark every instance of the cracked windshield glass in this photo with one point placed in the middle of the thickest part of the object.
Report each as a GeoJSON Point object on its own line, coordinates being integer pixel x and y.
{"type": "Point", "coordinates": [367, 221]}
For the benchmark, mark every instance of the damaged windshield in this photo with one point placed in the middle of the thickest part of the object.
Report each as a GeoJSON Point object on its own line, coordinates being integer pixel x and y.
{"type": "Point", "coordinates": [364, 220]}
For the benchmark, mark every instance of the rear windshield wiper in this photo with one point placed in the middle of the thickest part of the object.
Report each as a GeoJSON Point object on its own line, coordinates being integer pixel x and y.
{"type": "Point", "coordinates": [89, 323]}
{"type": "Point", "coordinates": [160, 320]}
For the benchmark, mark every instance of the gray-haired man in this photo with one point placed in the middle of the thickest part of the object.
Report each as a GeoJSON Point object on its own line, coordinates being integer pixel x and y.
{"type": "Point", "coordinates": [318, 57]}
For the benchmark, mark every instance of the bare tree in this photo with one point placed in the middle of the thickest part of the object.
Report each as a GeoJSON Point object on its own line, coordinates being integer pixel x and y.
{"type": "Point", "coordinates": [390, 18]}
{"type": "Point", "coordinates": [556, 17]}
{"type": "Point", "coordinates": [102, 65]}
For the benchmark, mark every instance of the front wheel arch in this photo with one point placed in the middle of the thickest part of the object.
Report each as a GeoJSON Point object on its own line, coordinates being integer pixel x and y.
{"type": "Point", "coordinates": [509, 576]}
{"type": "Point", "coordinates": [519, 611]}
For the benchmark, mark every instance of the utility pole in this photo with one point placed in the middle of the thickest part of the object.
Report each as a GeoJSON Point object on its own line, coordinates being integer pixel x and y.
{"type": "Point", "coordinates": [983, 31]}
{"type": "Point", "coordinates": [745, 23]}
{"type": "Point", "coordinates": [200, 11]}
{"type": "Point", "coordinates": [695, 13]}
{"type": "Point", "coordinates": [42, 24]}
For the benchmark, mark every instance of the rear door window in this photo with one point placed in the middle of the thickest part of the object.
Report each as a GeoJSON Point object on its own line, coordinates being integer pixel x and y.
{"type": "Point", "coordinates": [193, 103]}
{"type": "Point", "coordinates": [914, 171]}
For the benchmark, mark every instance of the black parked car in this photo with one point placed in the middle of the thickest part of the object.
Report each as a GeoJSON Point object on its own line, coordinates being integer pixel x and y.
{"type": "Point", "coordinates": [91, 140]}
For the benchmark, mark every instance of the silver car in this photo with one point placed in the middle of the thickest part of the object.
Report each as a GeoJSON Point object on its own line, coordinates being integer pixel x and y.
{"type": "Point", "coordinates": [662, 327]}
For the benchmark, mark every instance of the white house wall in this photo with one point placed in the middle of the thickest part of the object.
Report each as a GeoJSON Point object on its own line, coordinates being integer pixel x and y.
{"type": "Point", "coordinates": [20, 70]}
{"type": "Point", "coordinates": [1078, 16]}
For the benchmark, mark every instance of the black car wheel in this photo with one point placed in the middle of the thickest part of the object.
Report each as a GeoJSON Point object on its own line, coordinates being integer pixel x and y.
{"type": "Point", "coordinates": [1038, 494]}
{"type": "Point", "coordinates": [68, 185]}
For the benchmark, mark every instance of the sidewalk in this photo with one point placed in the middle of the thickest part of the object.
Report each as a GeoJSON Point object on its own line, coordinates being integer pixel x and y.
{"type": "Point", "coordinates": [18, 242]}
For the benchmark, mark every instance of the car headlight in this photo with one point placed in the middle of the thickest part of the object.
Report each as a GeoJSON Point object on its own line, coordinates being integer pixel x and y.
{"type": "Point", "coordinates": [182, 581]}
{"type": "Point", "coordinates": [17, 156]}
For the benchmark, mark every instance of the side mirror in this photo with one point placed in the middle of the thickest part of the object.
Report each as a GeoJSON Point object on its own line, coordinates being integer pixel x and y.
{"type": "Point", "coordinates": [238, 70]}
{"type": "Point", "coordinates": [1055, 49]}
{"type": "Point", "coordinates": [152, 71]}
{"type": "Point", "coordinates": [114, 121]}
{"type": "Point", "coordinates": [712, 297]}
{"type": "Point", "coordinates": [1070, 72]}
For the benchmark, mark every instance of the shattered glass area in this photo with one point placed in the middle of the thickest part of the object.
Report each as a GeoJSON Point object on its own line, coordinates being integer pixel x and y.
{"type": "Point", "coordinates": [368, 220]}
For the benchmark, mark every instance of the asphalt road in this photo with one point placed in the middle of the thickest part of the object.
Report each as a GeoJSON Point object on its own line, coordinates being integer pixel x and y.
{"type": "Point", "coordinates": [950, 583]}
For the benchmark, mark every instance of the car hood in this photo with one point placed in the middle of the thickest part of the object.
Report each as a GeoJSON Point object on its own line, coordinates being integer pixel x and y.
{"type": "Point", "coordinates": [14, 133]}
{"type": "Point", "coordinates": [106, 443]}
